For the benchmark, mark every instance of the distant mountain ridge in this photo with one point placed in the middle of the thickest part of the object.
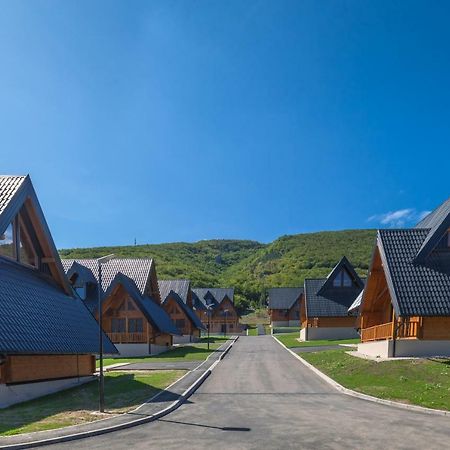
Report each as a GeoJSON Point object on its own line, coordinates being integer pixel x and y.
{"type": "Point", "coordinates": [249, 266]}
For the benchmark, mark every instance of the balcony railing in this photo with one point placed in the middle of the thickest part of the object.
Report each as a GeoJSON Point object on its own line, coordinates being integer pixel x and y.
{"type": "Point", "coordinates": [406, 329]}
{"type": "Point", "coordinates": [127, 338]}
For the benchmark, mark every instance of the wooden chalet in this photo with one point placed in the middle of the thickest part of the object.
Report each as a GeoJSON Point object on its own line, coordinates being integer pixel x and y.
{"type": "Point", "coordinates": [176, 296]}
{"type": "Point", "coordinates": [284, 306]}
{"type": "Point", "coordinates": [133, 317]}
{"type": "Point", "coordinates": [405, 308]}
{"type": "Point", "coordinates": [48, 339]}
{"type": "Point", "coordinates": [218, 303]}
{"type": "Point", "coordinates": [324, 311]}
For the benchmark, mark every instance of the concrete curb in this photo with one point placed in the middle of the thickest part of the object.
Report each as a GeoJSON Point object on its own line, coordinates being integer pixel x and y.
{"type": "Point", "coordinates": [350, 392]}
{"type": "Point", "coordinates": [172, 407]}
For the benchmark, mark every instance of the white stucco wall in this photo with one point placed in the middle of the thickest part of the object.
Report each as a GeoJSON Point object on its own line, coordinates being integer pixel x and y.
{"type": "Point", "coordinates": [313, 334]}
{"type": "Point", "coordinates": [303, 334]}
{"type": "Point", "coordinates": [9, 395]}
{"type": "Point", "coordinates": [280, 323]}
{"type": "Point", "coordinates": [294, 323]}
{"type": "Point", "coordinates": [404, 348]}
{"type": "Point", "coordinates": [157, 349]}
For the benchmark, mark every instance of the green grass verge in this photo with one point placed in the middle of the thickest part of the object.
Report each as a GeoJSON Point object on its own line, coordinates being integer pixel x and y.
{"type": "Point", "coordinates": [290, 341]}
{"type": "Point", "coordinates": [424, 382]}
{"type": "Point", "coordinates": [285, 330]}
{"type": "Point", "coordinates": [191, 352]}
{"type": "Point", "coordinates": [253, 331]}
{"type": "Point", "coordinates": [123, 392]}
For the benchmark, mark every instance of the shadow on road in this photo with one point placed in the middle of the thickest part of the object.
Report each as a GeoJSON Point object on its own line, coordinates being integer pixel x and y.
{"type": "Point", "coordinates": [206, 426]}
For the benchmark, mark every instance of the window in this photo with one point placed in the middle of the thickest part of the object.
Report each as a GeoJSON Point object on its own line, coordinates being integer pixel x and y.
{"type": "Point", "coordinates": [180, 323]}
{"type": "Point", "coordinates": [118, 326]}
{"type": "Point", "coordinates": [342, 279]}
{"type": "Point", "coordinates": [27, 254]}
{"type": "Point", "coordinates": [135, 325]}
{"type": "Point", "coordinates": [7, 242]}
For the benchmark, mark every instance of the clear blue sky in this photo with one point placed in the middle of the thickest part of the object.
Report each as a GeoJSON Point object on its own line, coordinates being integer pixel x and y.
{"type": "Point", "coordinates": [179, 121]}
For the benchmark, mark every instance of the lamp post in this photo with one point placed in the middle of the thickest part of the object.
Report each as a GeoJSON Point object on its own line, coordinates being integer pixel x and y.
{"type": "Point", "coordinates": [101, 378]}
{"type": "Point", "coordinates": [208, 312]}
{"type": "Point", "coordinates": [226, 321]}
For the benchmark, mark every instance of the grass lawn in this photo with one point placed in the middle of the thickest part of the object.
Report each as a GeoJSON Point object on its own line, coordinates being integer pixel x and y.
{"type": "Point", "coordinates": [123, 392]}
{"type": "Point", "coordinates": [190, 352]}
{"type": "Point", "coordinates": [253, 331]}
{"type": "Point", "coordinates": [424, 382]}
{"type": "Point", "coordinates": [280, 330]}
{"type": "Point", "coordinates": [290, 340]}
{"type": "Point", "coordinates": [259, 316]}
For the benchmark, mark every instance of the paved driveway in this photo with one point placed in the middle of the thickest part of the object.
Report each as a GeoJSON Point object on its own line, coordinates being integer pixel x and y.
{"type": "Point", "coordinates": [261, 397]}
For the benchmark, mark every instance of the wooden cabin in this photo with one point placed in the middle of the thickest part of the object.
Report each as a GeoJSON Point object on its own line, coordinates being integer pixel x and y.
{"type": "Point", "coordinates": [218, 304]}
{"type": "Point", "coordinates": [133, 316]}
{"type": "Point", "coordinates": [284, 306]}
{"type": "Point", "coordinates": [48, 339]}
{"type": "Point", "coordinates": [324, 311]}
{"type": "Point", "coordinates": [176, 296]}
{"type": "Point", "coordinates": [405, 308]}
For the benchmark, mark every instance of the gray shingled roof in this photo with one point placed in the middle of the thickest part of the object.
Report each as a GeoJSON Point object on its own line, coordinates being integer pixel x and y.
{"type": "Point", "coordinates": [436, 216]}
{"type": "Point", "coordinates": [179, 290]}
{"type": "Point", "coordinates": [9, 185]}
{"type": "Point", "coordinates": [416, 289]}
{"type": "Point", "coordinates": [136, 269]}
{"type": "Point", "coordinates": [38, 317]}
{"type": "Point", "coordinates": [133, 275]}
{"type": "Point", "coordinates": [213, 296]}
{"type": "Point", "coordinates": [180, 287]}
{"type": "Point", "coordinates": [322, 299]}
{"type": "Point", "coordinates": [284, 298]}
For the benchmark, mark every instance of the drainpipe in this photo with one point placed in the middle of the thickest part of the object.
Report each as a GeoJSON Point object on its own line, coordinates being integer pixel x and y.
{"type": "Point", "coordinates": [394, 336]}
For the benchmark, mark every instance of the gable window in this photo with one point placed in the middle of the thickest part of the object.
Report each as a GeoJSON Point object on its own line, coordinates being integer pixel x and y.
{"type": "Point", "coordinates": [118, 326]}
{"type": "Point", "coordinates": [15, 243]}
{"type": "Point", "coordinates": [342, 279]}
{"type": "Point", "coordinates": [7, 242]}
{"type": "Point", "coordinates": [135, 325]}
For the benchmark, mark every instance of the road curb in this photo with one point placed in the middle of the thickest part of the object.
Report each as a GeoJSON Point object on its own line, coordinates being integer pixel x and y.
{"type": "Point", "coordinates": [143, 420]}
{"type": "Point", "coordinates": [350, 392]}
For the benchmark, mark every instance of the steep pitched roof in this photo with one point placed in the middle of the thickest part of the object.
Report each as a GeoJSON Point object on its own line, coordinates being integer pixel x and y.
{"type": "Point", "coordinates": [180, 287]}
{"type": "Point", "coordinates": [284, 298]}
{"type": "Point", "coordinates": [357, 303]}
{"type": "Point", "coordinates": [322, 299]}
{"type": "Point", "coordinates": [134, 275]}
{"type": "Point", "coordinates": [178, 290]}
{"type": "Point", "coordinates": [136, 269]}
{"type": "Point", "coordinates": [211, 296]}
{"type": "Point", "coordinates": [416, 289]}
{"type": "Point", "coordinates": [39, 313]}
{"type": "Point", "coordinates": [437, 223]}
{"type": "Point", "coordinates": [38, 317]}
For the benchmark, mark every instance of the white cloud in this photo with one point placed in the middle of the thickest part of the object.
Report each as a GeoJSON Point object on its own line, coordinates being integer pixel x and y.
{"type": "Point", "coordinates": [399, 218]}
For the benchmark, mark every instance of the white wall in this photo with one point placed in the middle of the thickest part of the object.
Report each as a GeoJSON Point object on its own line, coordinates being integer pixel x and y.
{"type": "Point", "coordinates": [313, 334]}
{"type": "Point", "coordinates": [404, 348]}
{"type": "Point", "coordinates": [183, 339]}
{"type": "Point", "coordinates": [157, 349]}
{"type": "Point", "coordinates": [294, 323]}
{"type": "Point", "coordinates": [132, 350]}
{"type": "Point", "coordinates": [280, 323]}
{"type": "Point", "coordinates": [303, 334]}
{"type": "Point", "coordinates": [9, 395]}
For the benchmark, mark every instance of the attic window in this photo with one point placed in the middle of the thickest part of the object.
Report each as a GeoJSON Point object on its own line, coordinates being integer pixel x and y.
{"type": "Point", "coordinates": [342, 279]}
{"type": "Point", "coordinates": [15, 243]}
{"type": "Point", "coordinates": [81, 291]}
{"type": "Point", "coordinates": [7, 242]}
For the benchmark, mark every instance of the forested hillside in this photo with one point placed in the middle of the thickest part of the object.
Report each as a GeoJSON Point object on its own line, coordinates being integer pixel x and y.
{"type": "Point", "coordinates": [249, 266]}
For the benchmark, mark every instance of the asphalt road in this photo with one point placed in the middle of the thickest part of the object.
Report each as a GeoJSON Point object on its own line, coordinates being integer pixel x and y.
{"type": "Point", "coordinates": [261, 397]}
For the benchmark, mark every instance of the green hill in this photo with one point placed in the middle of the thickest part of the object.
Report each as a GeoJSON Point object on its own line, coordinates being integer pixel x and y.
{"type": "Point", "coordinates": [249, 266]}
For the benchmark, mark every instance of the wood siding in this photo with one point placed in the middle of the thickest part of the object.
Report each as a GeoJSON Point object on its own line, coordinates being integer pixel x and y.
{"type": "Point", "coordinates": [330, 322]}
{"type": "Point", "coordinates": [23, 368]}
{"type": "Point", "coordinates": [176, 314]}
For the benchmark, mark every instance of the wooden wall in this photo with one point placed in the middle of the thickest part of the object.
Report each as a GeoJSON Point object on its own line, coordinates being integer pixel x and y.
{"type": "Point", "coordinates": [437, 328]}
{"type": "Point", "coordinates": [176, 313]}
{"type": "Point", "coordinates": [330, 322]}
{"type": "Point", "coordinates": [23, 368]}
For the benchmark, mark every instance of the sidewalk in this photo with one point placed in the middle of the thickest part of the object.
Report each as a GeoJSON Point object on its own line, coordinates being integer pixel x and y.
{"type": "Point", "coordinates": [158, 406]}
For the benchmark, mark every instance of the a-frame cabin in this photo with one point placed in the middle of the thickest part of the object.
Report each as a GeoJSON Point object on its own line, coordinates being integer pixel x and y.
{"type": "Point", "coordinates": [176, 296]}
{"type": "Point", "coordinates": [405, 308]}
{"type": "Point", "coordinates": [133, 316]}
{"type": "Point", "coordinates": [284, 306]}
{"type": "Point", "coordinates": [48, 338]}
{"type": "Point", "coordinates": [324, 311]}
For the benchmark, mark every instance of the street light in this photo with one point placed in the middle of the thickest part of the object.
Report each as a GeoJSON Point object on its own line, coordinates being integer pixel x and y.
{"type": "Point", "coordinates": [101, 378]}
{"type": "Point", "coordinates": [226, 321]}
{"type": "Point", "coordinates": [208, 312]}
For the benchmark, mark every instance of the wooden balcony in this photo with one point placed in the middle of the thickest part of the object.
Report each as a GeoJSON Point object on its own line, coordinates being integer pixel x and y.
{"type": "Point", "coordinates": [128, 338]}
{"type": "Point", "coordinates": [409, 329]}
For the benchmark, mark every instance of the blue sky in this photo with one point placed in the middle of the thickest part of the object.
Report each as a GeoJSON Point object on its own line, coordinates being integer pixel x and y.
{"type": "Point", "coordinates": [179, 121]}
